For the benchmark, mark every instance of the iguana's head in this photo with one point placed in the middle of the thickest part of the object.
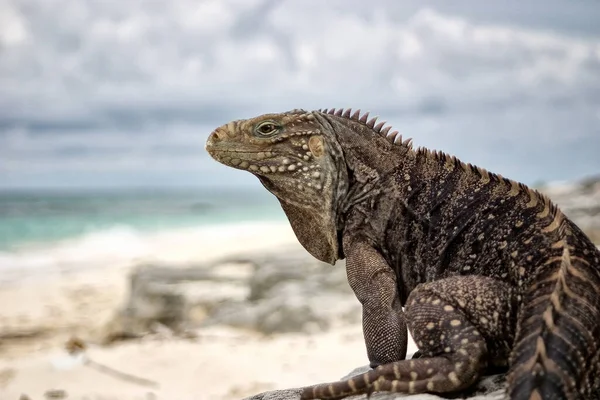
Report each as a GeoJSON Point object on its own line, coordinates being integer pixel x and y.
{"type": "Point", "coordinates": [297, 158]}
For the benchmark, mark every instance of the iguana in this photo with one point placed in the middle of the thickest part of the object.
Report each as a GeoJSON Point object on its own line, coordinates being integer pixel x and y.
{"type": "Point", "coordinates": [484, 271]}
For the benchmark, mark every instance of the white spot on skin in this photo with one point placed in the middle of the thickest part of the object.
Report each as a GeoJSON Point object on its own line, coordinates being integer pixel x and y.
{"type": "Point", "coordinates": [455, 322]}
{"type": "Point", "coordinates": [454, 378]}
{"type": "Point", "coordinates": [448, 308]}
{"type": "Point", "coordinates": [411, 387]}
{"type": "Point", "coordinates": [291, 167]}
{"type": "Point", "coordinates": [430, 326]}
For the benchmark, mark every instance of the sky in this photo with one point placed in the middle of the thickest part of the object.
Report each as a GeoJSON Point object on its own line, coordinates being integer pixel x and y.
{"type": "Point", "coordinates": [123, 93]}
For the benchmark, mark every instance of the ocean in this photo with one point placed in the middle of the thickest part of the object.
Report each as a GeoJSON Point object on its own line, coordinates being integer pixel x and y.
{"type": "Point", "coordinates": [53, 232]}
{"type": "Point", "coordinates": [30, 219]}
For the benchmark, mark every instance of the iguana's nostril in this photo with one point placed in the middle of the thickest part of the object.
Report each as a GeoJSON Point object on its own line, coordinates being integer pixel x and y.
{"type": "Point", "coordinates": [215, 137]}
{"type": "Point", "coordinates": [221, 133]}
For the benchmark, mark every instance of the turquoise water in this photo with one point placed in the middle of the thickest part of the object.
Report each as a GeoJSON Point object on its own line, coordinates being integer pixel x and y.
{"type": "Point", "coordinates": [30, 217]}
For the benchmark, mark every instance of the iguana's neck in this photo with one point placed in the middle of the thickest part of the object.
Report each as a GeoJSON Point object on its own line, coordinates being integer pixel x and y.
{"type": "Point", "coordinates": [369, 158]}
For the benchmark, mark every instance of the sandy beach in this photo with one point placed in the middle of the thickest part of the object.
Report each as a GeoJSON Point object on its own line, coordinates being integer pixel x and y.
{"type": "Point", "coordinates": [75, 288]}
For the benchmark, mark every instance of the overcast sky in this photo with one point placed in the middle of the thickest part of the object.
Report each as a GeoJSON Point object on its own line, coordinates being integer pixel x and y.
{"type": "Point", "coordinates": [124, 92]}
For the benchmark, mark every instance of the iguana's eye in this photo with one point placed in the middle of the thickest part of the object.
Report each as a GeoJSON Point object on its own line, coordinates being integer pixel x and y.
{"type": "Point", "coordinates": [267, 128]}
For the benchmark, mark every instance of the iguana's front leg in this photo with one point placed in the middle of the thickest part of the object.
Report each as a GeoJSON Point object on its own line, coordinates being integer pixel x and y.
{"type": "Point", "coordinates": [374, 283]}
{"type": "Point", "coordinates": [462, 325]}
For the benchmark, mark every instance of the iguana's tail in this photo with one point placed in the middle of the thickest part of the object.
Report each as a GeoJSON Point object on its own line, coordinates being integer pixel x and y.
{"type": "Point", "coordinates": [557, 347]}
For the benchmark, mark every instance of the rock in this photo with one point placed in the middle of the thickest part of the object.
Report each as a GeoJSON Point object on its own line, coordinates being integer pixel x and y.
{"type": "Point", "coordinates": [580, 201]}
{"type": "Point", "coordinates": [291, 292]}
{"type": "Point", "coordinates": [55, 394]}
{"type": "Point", "coordinates": [490, 387]}
{"type": "Point", "coordinates": [159, 301]}
{"type": "Point", "coordinates": [283, 291]}
{"type": "Point", "coordinates": [287, 394]}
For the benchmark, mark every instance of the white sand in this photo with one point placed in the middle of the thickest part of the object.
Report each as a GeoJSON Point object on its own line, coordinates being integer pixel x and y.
{"type": "Point", "coordinates": [220, 364]}
{"type": "Point", "coordinates": [72, 289]}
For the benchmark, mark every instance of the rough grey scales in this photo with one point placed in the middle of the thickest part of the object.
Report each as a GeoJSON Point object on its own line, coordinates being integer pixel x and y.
{"type": "Point", "coordinates": [484, 271]}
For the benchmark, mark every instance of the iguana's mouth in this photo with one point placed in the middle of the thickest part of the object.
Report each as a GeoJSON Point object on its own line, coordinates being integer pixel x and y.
{"type": "Point", "coordinates": [264, 162]}
{"type": "Point", "coordinates": [256, 160]}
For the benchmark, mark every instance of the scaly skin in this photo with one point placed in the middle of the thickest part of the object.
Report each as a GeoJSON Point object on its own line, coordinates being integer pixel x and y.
{"type": "Point", "coordinates": [490, 273]}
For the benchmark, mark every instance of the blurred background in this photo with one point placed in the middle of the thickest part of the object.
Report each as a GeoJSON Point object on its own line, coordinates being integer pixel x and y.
{"type": "Point", "coordinates": [119, 233]}
{"type": "Point", "coordinates": [110, 102]}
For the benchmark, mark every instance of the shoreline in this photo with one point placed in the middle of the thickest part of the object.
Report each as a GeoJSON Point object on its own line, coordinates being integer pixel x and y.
{"type": "Point", "coordinates": [122, 246]}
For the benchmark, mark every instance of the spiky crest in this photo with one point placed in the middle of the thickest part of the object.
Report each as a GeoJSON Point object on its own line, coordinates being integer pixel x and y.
{"type": "Point", "coordinates": [396, 138]}
{"type": "Point", "coordinates": [372, 124]}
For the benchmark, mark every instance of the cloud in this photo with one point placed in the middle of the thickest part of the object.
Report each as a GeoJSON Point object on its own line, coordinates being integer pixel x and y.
{"type": "Point", "coordinates": [184, 55]}
{"type": "Point", "coordinates": [132, 86]}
